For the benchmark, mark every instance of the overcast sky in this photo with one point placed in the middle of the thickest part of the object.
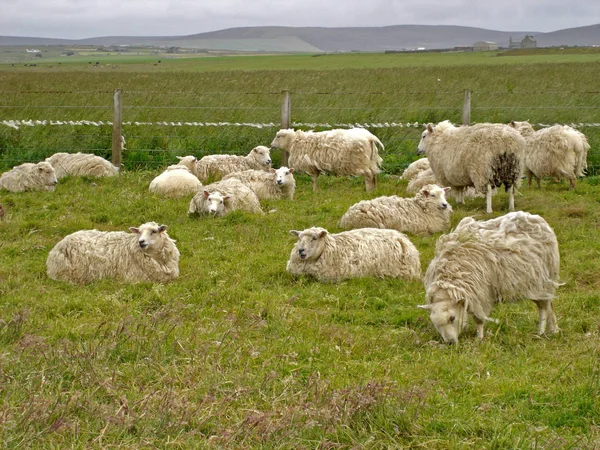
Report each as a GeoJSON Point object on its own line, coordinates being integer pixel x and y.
{"type": "Point", "coordinates": [76, 19]}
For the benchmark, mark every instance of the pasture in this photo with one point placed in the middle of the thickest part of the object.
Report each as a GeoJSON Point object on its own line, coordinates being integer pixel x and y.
{"type": "Point", "coordinates": [238, 354]}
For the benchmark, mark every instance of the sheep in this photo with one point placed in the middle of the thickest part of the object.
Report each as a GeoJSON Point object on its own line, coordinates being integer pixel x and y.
{"type": "Point", "coordinates": [147, 254]}
{"type": "Point", "coordinates": [217, 166]}
{"type": "Point", "coordinates": [190, 162]}
{"type": "Point", "coordinates": [415, 168]}
{"type": "Point", "coordinates": [366, 252]}
{"type": "Point", "coordinates": [482, 263]}
{"type": "Point", "coordinates": [483, 156]}
{"type": "Point", "coordinates": [425, 213]}
{"type": "Point", "coordinates": [81, 164]}
{"type": "Point", "coordinates": [29, 177]}
{"type": "Point", "coordinates": [220, 198]}
{"type": "Point", "coordinates": [176, 181]}
{"type": "Point", "coordinates": [351, 152]}
{"type": "Point", "coordinates": [426, 177]}
{"type": "Point", "coordinates": [558, 151]}
{"type": "Point", "coordinates": [274, 184]}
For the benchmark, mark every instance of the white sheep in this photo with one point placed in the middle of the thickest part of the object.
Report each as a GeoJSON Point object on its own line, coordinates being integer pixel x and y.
{"type": "Point", "coordinates": [147, 254]}
{"type": "Point", "coordinates": [29, 177]}
{"type": "Point", "coordinates": [351, 152]}
{"type": "Point", "coordinates": [274, 184]}
{"type": "Point", "coordinates": [479, 264]}
{"type": "Point", "coordinates": [176, 181]}
{"type": "Point", "coordinates": [426, 177]}
{"type": "Point", "coordinates": [558, 151]}
{"type": "Point", "coordinates": [220, 198]}
{"type": "Point", "coordinates": [217, 166]}
{"type": "Point", "coordinates": [81, 164]}
{"type": "Point", "coordinates": [415, 168]}
{"type": "Point", "coordinates": [483, 156]}
{"type": "Point", "coordinates": [366, 252]}
{"type": "Point", "coordinates": [190, 162]}
{"type": "Point", "coordinates": [425, 213]}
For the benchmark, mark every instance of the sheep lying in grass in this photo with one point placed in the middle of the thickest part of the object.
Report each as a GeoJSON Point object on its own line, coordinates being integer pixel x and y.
{"type": "Point", "coordinates": [176, 181]}
{"type": "Point", "coordinates": [425, 213]}
{"type": "Point", "coordinates": [81, 164]}
{"type": "Point", "coordinates": [426, 177]}
{"type": "Point", "coordinates": [220, 198]}
{"type": "Point", "coordinates": [558, 151]}
{"type": "Point", "coordinates": [483, 156]}
{"type": "Point", "coordinates": [29, 177]}
{"type": "Point", "coordinates": [146, 254]}
{"type": "Point", "coordinates": [367, 252]}
{"type": "Point", "coordinates": [351, 152]}
{"type": "Point", "coordinates": [482, 263]}
{"type": "Point", "coordinates": [415, 168]}
{"type": "Point", "coordinates": [217, 166]}
{"type": "Point", "coordinates": [274, 184]}
{"type": "Point", "coordinates": [190, 162]}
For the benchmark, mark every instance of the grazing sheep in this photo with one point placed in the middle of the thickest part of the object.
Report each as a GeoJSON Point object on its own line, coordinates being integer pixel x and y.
{"type": "Point", "coordinates": [81, 164]}
{"type": "Point", "coordinates": [149, 254]}
{"type": "Point", "coordinates": [274, 184]}
{"type": "Point", "coordinates": [217, 166]}
{"type": "Point", "coordinates": [415, 168]}
{"type": "Point", "coordinates": [367, 252]}
{"type": "Point", "coordinates": [351, 152]}
{"type": "Point", "coordinates": [426, 177]}
{"type": "Point", "coordinates": [29, 177]}
{"type": "Point", "coordinates": [176, 181]}
{"type": "Point", "coordinates": [483, 156]}
{"type": "Point", "coordinates": [558, 151]}
{"type": "Point", "coordinates": [425, 213]}
{"type": "Point", "coordinates": [220, 198]}
{"type": "Point", "coordinates": [479, 264]}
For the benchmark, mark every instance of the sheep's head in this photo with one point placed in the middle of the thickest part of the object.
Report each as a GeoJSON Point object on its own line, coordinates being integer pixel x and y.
{"type": "Point", "coordinates": [282, 139]}
{"type": "Point", "coordinates": [524, 127]}
{"type": "Point", "coordinates": [311, 243]}
{"type": "Point", "coordinates": [422, 147]}
{"type": "Point", "coordinates": [216, 202]}
{"type": "Point", "coordinates": [436, 194]}
{"type": "Point", "coordinates": [262, 155]}
{"type": "Point", "coordinates": [188, 161]}
{"type": "Point", "coordinates": [283, 176]}
{"type": "Point", "coordinates": [150, 235]}
{"type": "Point", "coordinates": [47, 175]}
{"type": "Point", "coordinates": [447, 316]}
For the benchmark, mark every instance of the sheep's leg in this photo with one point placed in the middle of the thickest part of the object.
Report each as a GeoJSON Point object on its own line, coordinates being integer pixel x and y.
{"type": "Point", "coordinates": [573, 182]}
{"type": "Point", "coordinates": [488, 199]}
{"type": "Point", "coordinates": [543, 315]}
{"type": "Point", "coordinates": [529, 176]}
{"type": "Point", "coordinates": [511, 198]}
{"type": "Point", "coordinates": [370, 181]}
{"type": "Point", "coordinates": [460, 198]}
{"type": "Point", "coordinates": [538, 180]}
{"type": "Point", "coordinates": [314, 182]}
{"type": "Point", "coordinates": [479, 324]}
{"type": "Point", "coordinates": [552, 324]}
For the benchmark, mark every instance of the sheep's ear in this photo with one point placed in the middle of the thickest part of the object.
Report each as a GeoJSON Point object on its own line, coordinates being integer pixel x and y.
{"type": "Point", "coordinates": [40, 168]}
{"type": "Point", "coordinates": [459, 302]}
{"type": "Point", "coordinates": [272, 170]}
{"type": "Point", "coordinates": [513, 124]}
{"type": "Point", "coordinates": [446, 189]}
{"type": "Point", "coordinates": [427, 307]}
{"type": "Point", "coordinates": [322, 234]}
{"type": "Point", "coordinates": [162, 228]}
{"type": "Point", "coordinates": [134, 230]}
{"type": "Point", "coordinates": [255, 149]}
{"type": "Point", "coordinates": [425, 192]}
{"type": "Point", "coordinates": [179, 157]}
{"type": "Point", "coordinates": [226, 197]}
{"type": "Point", "coordinates": [429, 127]}
{"type": "Point", "coordinates": [292, 170]}
{"type": "Point", "coordinates": [295, 233]}
{"type": "Point", "coordinates": [206, 194]}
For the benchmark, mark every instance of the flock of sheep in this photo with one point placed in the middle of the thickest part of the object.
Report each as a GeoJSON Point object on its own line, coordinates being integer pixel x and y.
{"type": "Point", "coordinates": [476, 265]}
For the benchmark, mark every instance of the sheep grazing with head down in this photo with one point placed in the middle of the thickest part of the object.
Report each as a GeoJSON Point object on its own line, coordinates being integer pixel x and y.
{"type": "Point", "coordinates": [220, 198]}
{"type": "Point", "coordinates": [482, 263]}
{"type": "Point", "coordinates": [81, 164]}
{"type": "Point", "coordinates": [558, 151]}
{"type": "Point", "coordinates": [367, 252]}
{"type": "Point", "coordinates": [147, 254]}
{"type": "Point", "coordinates": [415, 168]}
{"type": "Point", "coordinates": [29, 177]}
{"type": "Point", "coordinates": [483, 156]}
{"type": "Point", "coordinates": [274, 184]}
{"type": "Point", "coordinates": [427, 177]}
{"type": "Point", "coordinates": [177, 180]}
{"type": "Point", "coordinates": [351, 152]}
{"type": "Point", "coordinates": [217, 166]}
{"type": "Point", "coordinates": [425, 213]}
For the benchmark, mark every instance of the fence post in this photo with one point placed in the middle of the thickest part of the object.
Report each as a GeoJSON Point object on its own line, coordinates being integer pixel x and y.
{"type": "Point", "coordinates": [285, 120]}
{"type": "Point", "coordinates": [117, 130]}
{"type": "Point", "coordinates": [466, 115]}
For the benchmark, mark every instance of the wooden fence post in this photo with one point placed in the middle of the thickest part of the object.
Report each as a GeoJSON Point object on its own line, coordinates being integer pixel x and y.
{"type": "Point", "coordinates": [285, 120]}
{"type": "Point", "coordinates": [117, 131]}
{"type": "Point", "coordinates": [466, 115]}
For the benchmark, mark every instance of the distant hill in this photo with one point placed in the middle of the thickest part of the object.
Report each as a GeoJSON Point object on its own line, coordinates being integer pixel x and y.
{"type": "Point", "coordinates": [320, 39]}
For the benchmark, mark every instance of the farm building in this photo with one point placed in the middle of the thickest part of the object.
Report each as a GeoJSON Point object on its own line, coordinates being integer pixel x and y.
{"type": "Point", "coordinates": [484, 46]}
{"type": "Point", "coordinates": [527, 42]}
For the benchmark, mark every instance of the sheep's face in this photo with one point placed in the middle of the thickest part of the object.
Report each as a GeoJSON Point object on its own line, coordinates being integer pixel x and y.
{"type": "Point", "coordinates": [262, 155]}
{"type": "Point", "coordinates": [282, 139]}
{"type": "Point", "coordinates": [149, 235]}
{"type": "Point", "coordinates": [48, 176]}
{"type": "Point", "coordinates": [437, 194]}
{"type": "Point", "coordinates": [311, 243]}
{"type": "Point", "coordinates": [188, 161]}
{"type": "Point", "coordinates": [422, 148]}
{"type": "Point", "coordinates": [284, 176]}
{"type": "Point", "coordinates": [215, 202]}
{"type": "Point", "coordinates": [447, 318]}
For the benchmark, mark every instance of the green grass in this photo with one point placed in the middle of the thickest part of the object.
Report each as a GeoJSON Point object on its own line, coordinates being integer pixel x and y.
{"type": "Point", "coordinates": [237, 354]}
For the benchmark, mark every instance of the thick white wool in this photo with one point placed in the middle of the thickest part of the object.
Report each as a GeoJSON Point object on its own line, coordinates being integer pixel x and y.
{"type": "Point", "coordinates": [29, 177]}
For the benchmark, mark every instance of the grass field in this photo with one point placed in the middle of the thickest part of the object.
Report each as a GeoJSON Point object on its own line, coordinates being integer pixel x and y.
{"type": "Point", "coordinates": [236, 353]}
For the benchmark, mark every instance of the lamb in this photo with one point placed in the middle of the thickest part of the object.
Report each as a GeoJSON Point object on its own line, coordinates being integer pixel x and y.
{"type": "Point", "coordinates": [220, 198]}
{"type": "Point", "coordinates": [483, 156]}
{"type": "Point", "coordinates": [415, 168]}
{"type": "Point", "coordinates": [367, 252]}
{"type": "Point", "coordinates": [147, 254]}
{"type": "Point", "coordinates": [482, 263]}
{"type": "Point", "coordinates": [274, 184]}
{"type": "Point", "coordinates": [217, 166]}
{"type": "Point", "coordinates": [176, 181]}
{"type": "Point", "coordinates": [558, 151]}
{"type": "Point", "coordinates": [351, 152]}
{"type": "Point", "coordinates": [81, 164]}
{"type": "Point", "coordinates": [426, 177]}
{"type": "Point", "coordinates": [425, 213]}
{"type": "Point", "coordinates": [29, 177]}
